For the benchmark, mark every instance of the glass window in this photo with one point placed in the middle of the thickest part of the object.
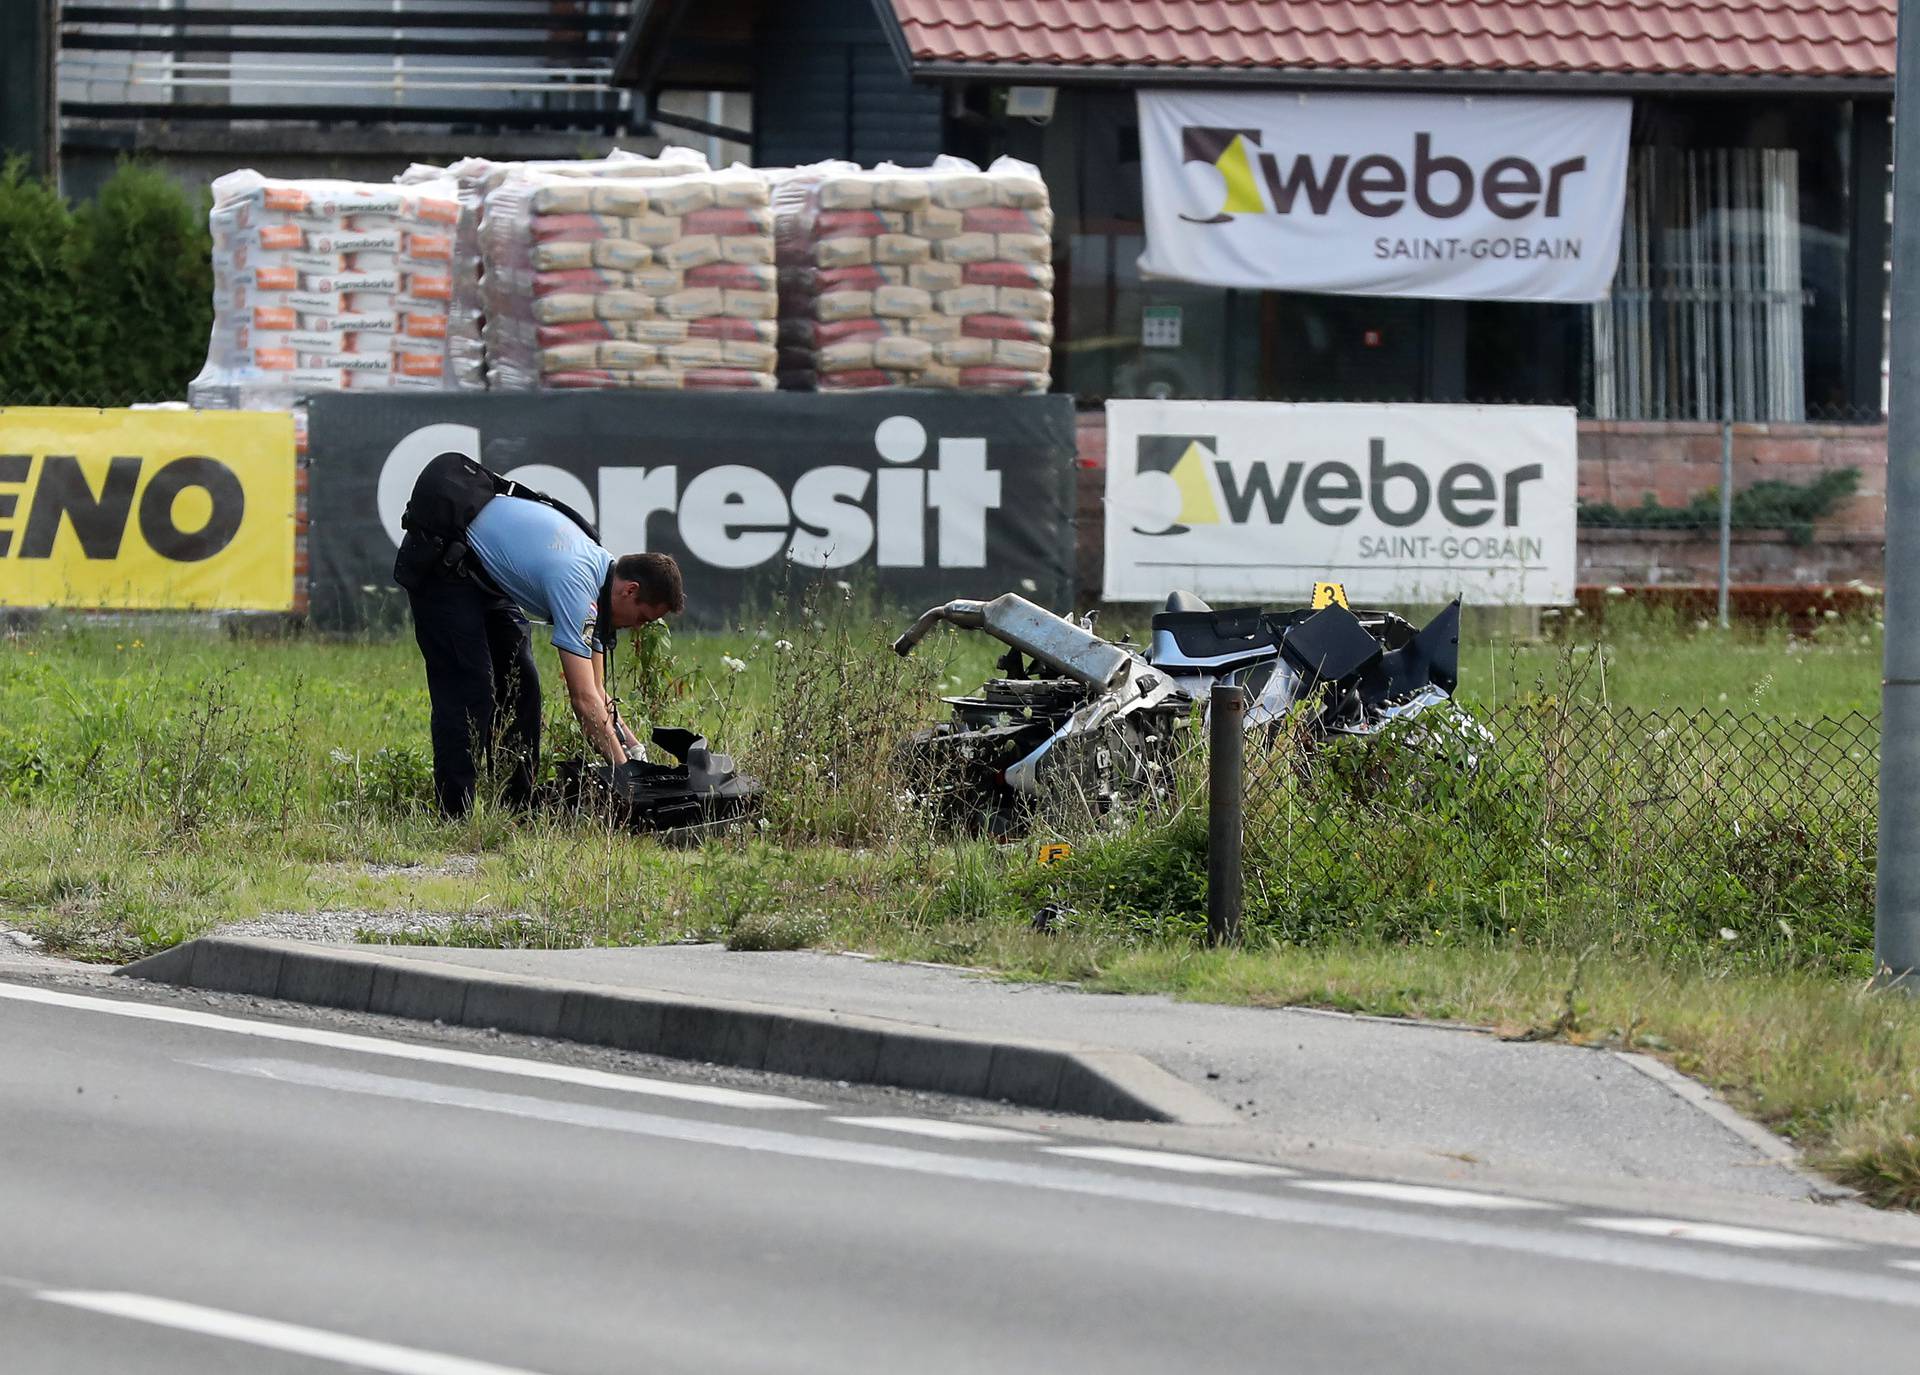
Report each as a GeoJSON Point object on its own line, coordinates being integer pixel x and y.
{"type": "Point", "coordinates": [1130, 336]}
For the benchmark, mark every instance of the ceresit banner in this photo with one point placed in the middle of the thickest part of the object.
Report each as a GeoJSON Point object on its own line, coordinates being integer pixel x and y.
{"type": "Point", "coordinates": [146, 510]}
{"type": "Point", "coordinates": [914, 496]}
{"type": "Point", "coordinates": [1248, 501]}
{"type": "Point", "coordinates": [1497, 198]}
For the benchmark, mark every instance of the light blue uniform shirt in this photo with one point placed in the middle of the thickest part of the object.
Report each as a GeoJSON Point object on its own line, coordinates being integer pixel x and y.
{"type": "Point", "coordinates": [545, 563]}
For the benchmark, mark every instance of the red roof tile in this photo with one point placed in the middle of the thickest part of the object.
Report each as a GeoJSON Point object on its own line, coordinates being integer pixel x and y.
{"type": "Point", "coordinates": [1797, 38]}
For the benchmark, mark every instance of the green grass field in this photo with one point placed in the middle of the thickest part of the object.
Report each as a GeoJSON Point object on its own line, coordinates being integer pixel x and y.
{"type": "Point", "coordinates": [161, 779]}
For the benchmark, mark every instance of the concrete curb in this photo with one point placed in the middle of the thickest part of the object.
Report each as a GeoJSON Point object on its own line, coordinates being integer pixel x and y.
{"type": "Point", "coordinates": [1778, 1151]}
{"type": "Point", "coordinates": [1053, 1076]}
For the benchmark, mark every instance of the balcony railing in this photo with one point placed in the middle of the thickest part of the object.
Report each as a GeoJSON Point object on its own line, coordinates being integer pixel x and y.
{"type": "Point", "coordinates": [506, 64]}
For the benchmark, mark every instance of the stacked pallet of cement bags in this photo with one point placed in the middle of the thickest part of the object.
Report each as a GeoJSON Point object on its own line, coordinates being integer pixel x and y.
{"type": "Point", "coordinates": [474, 178]}
{"type": "Point", "coordinates": [619, 281]}
{"type": "Point", "coordinates": [327, 285]}
{"type": "Point", "coordinates": [915, 277]}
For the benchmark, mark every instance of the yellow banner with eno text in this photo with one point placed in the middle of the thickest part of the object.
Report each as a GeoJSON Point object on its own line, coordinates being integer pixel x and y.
{"type": "Point", "coordinates": [146, 510]}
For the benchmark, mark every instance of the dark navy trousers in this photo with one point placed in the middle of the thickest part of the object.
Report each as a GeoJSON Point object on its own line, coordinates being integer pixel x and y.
{"type": "Point", "coordinates": [481, 678]}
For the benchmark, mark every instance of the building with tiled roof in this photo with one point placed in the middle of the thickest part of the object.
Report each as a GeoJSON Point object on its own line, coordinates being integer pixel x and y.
{"type": "Point", "coordinates": [1752, 260]}
{"type": "Point", "coordinates": [1771, 40]}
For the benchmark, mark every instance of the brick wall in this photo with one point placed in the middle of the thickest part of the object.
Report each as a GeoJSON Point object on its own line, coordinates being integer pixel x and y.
{"type": "Point", "coordinates": [1620, 462]}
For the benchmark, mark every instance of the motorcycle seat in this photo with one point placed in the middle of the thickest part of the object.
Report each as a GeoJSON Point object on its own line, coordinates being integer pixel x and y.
{"type": "Point", "coordinates": [1211, 639]}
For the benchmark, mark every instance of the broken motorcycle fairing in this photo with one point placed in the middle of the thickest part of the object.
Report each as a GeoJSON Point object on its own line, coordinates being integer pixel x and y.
{"type": "Point", "coordinates": [1374, 666]}
{"type": "Point", "coordinates": [1101, 717]}
{"type": "Point", "coordinates": [704, 788]}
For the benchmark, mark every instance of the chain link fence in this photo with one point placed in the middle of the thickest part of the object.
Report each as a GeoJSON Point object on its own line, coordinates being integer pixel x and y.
{"type": "Point", "coordinates": [88, 399]}
{"type": "Point", "coordinates": [1710, 825]}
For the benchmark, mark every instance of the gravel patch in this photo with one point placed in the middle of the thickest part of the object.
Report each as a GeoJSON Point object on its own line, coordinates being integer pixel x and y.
{"type": "Point", "coordinates": [22, 952]}
{"type": "Point", "coordinates": [453, 866]}
{"type": "Point", "coordinates": [345, 923]}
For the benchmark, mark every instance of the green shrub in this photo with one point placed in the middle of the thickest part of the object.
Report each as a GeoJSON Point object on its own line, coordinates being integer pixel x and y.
{"type": "Point", "coordinates": [146, 284]}
{"type": "Point", "coordinates": [105, 305]}
{"type": "Point", "coordinates": [42, 350]}
{"type": "Point", "coordinates": [1769, 505]}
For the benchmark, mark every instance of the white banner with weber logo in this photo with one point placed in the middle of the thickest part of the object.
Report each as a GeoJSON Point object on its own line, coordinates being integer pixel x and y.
{"type": "Point", "coordinates": [1249, 501]}
{"type": "Point", "coordinates": [1501, 198]}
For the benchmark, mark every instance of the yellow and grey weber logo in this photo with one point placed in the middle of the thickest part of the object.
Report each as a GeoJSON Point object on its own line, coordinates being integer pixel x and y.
{"type": "Point", "coordinates": [1437, 184]}
{"type": "Point", "coordinates": [1182, 481]}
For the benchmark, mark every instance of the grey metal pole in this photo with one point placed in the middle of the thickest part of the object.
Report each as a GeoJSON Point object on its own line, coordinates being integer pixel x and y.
{"type": "Point", "coordinates": [1896, 928]}
{"type": "Point", "coordinates": [1226, 811]}
{"type": "Point", "coordinates": [1726, 516]}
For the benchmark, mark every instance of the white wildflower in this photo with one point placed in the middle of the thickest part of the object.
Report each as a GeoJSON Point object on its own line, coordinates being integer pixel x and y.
{"type": "Point", "coordinates": [783, 646]}
{"type": "Point", "coordinates": [1727, 933]}
{"type": "Point", "coordinates": [733, 665]}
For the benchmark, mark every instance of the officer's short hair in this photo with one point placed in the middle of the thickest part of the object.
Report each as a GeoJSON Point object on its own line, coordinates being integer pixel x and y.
{"type": "Point", "coordinates": [658, 577]}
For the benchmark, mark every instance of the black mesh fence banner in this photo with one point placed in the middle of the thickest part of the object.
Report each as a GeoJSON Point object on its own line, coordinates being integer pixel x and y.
{"type": "Point", "coordinates": [910, 497]}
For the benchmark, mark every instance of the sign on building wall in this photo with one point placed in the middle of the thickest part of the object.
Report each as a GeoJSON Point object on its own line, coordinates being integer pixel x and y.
{"type": "Point", "coordinates": [146, 510]}
{"type": "Point", "coordinates": [1507, 198]}
{"type": "Point", "coordinates": [1247, 501]}
{"type": "Point", "coordinates": [920, 497]}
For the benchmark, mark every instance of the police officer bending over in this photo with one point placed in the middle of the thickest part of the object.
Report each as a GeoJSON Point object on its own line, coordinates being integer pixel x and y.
{"type": "Point", "coordinates": [481, 554]}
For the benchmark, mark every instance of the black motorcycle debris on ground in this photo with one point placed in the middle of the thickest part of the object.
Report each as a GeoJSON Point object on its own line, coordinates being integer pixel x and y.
{"type": "Point", "coordinates": [704, 792]}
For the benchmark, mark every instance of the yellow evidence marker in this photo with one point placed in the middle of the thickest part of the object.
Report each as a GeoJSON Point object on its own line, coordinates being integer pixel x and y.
{"type": "Point", "coordinates": [1325, 594]}
{"type": "Point", "coordinates": [1054, 851]}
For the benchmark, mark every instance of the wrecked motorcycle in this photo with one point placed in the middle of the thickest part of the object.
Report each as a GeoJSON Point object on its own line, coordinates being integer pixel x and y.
{"type": "Point", "coordinates": [1101, 720]}
{"type": "Point", "coordinates": [703, 792]}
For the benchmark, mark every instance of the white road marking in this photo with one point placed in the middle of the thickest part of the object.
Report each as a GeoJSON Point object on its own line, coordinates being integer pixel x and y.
{"type": "Point", "coordinates": [1166, 1160]}
{"type": "Point", "coordinates": [1752, 1238]}
{"type": "Point", "coordinates": [945, 1131]}
{"type": "Point", "coordinates": [278, 1336]}
{"type": "Point", "coordinates": [403, 1050]}
{"type": "Point", "coordinates": [1289, 1209]}
{"type": "Point", "coordinates": [1419, 1193]}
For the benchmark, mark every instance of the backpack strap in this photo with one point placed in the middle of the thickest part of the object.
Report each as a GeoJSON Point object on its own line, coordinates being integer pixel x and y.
{"type": "Point", "coordinates": [506, 487]}
{"type": "Point", "coordinates": [603, 614]}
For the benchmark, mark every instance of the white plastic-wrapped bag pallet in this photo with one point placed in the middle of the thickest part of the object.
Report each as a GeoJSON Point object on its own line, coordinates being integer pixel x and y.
{"type": "Point", "coordinates": [915, 277]}
{"type": "Point", "coordinates": [614, 281]}
{"type": "Point", "coordinates": [327, 285]}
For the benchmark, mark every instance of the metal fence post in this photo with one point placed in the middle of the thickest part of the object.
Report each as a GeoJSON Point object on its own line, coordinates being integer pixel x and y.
{"type": "Point", "coordinates": [1726, 516]}
{"type": "Point", "coordinates": [1226, 811]}
{"type": "Point", "coordinates": [1896, 930]}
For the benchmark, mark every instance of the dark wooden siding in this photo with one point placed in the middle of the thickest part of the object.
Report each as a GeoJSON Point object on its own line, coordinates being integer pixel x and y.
{"type": "Point", "coordinates": [828, 86]}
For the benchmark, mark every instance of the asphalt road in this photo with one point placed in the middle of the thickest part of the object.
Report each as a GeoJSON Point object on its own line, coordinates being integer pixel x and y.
{"type": "Point", "coordinates": [184, 1191]}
